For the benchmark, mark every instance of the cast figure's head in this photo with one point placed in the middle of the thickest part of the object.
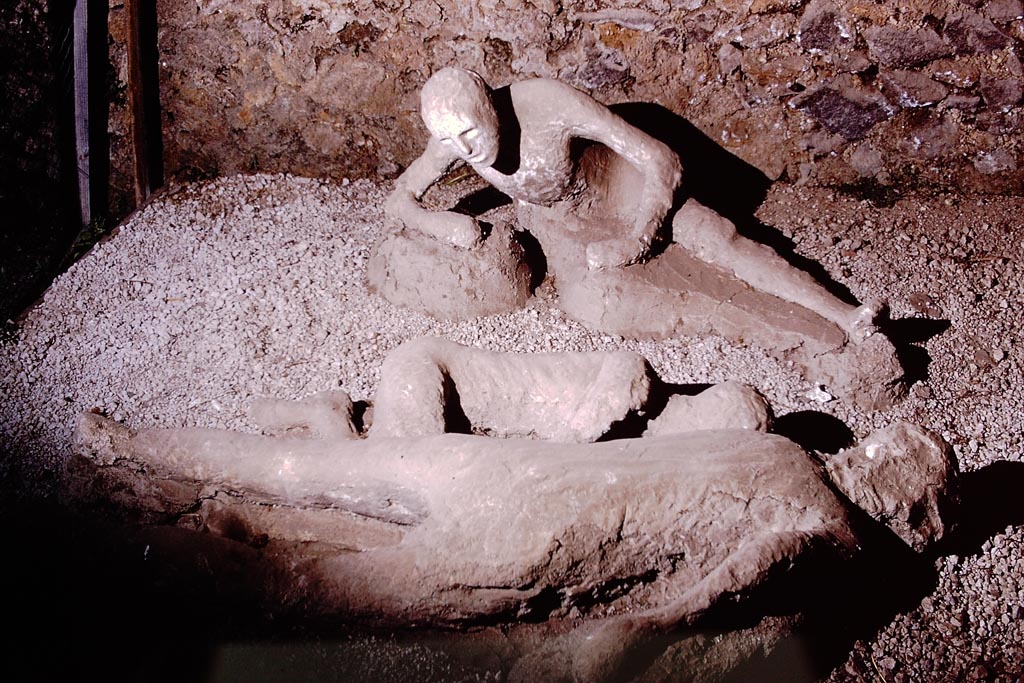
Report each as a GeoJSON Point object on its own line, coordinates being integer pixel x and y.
{"type": "Point", "coordinates": [905, 477]}
{"type": "Point", "coordinates": [456, 107]}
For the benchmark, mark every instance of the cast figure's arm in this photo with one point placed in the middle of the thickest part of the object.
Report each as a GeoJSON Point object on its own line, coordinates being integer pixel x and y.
{"type": "Point", "coordinates": [659, 165]}
{"type": "Point", "coordinates": [404, 202]}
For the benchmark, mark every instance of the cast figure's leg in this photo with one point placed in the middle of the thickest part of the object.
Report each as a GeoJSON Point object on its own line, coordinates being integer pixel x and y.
{"type": "Point", "coordinates": [714, 239]}
{"type": "Point", "coordinates": [410, 398]}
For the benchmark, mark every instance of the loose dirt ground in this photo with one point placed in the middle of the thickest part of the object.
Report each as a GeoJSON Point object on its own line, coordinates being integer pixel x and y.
{"type": "Point", "coordinates": [253, 286]}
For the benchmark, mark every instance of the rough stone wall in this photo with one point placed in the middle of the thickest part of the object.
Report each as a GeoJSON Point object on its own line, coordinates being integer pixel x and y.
{"type": "Point", "coordinates": [844, 92]}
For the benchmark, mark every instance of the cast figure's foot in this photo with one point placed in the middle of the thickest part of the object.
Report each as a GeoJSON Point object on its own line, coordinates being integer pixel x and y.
{"type": "Point", "coordinates": [863, 320]}
{"type": "Point", "coordinates": [616, 253]}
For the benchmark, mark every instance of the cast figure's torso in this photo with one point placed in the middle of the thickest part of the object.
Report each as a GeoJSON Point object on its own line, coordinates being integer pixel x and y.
{"type": "Point", "coordinates": [546, 172]}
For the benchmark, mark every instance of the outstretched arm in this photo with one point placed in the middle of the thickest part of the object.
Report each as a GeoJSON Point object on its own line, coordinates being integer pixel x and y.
{"type": "Point", "coordinates": [404, 202]}
{"type": "Point", "coordinates": [657, 163]}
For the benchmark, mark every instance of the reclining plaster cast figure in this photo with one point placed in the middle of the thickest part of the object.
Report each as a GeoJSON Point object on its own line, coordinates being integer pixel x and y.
{"type": "Point", "coordinates": [521, 140]}
{"type": "Point", "coordinates": [641, 536]}
{"type": "Point", "coordinates": [569, 397]}
{"type": "Point", "coordinates": [429, 385]}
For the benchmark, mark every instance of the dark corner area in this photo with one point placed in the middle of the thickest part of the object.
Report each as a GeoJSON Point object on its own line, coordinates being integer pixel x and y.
{"type": "Point", "coordinates": [38, 199]}
{"type": "Point", "coordinates": [61, 182]}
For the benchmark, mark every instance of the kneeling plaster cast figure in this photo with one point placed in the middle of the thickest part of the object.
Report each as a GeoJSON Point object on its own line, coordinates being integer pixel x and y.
{"type": "Point", "coordinates": [628, 538]}
{"type": "Point", "coordinates": [523, 140]}
{"type": "Point", "coordinates": [597, 194]}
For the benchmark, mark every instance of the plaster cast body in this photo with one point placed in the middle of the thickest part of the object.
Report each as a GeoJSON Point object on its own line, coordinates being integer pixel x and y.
{"type": "Point", "coordinates": [455, 529]}
{"type": "Point", "coordinates": [572, 397]}
{"type": "Point", "coordinates": [490, 524]}
{"type": "Point", "coordinates": [416, 526]}
{"type": "Point", "coordinates": [521, 140]}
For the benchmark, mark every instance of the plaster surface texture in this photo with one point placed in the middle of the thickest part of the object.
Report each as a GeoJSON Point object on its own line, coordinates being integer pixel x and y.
{"type": "Point", "coordinates": [875, 473]}
{"type": "Point", "coordinates": [826, 92]}
{"type": "Point", "coordinates": [729, 405]}
{"type": "Point", "coordinates": [417, 272]}
{"type": "Point", "coordinates": [192, 287]}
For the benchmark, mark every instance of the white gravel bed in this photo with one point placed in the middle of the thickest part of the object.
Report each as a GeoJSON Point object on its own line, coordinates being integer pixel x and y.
{"type": "Point", "coordinates": [254, 286]}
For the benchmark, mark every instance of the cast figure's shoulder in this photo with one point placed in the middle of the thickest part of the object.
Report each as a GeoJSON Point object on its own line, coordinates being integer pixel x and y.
{"type": "Point", "coordinates": [546, 89]}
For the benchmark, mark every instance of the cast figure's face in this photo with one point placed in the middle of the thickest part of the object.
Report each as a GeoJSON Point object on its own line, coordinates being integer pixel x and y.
{"type": "Point", "coordinates": [467, 125]}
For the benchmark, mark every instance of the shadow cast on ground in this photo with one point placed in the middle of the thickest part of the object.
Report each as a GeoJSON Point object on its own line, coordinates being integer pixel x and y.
{"type": "Point", "coordinates": [815, 431]}
{"type": "Point", "coordinates": [867, 594]}
{"type": "Point", "coordinates": [989, 502]}
{"type": "Point", "coordinates": [906, 334]}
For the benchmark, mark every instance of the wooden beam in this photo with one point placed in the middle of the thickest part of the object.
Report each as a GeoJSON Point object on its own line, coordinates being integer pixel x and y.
{"type": "Point", "coordinates": [137, 105]}
{"type": "Point", "coordinates": [81, 90]}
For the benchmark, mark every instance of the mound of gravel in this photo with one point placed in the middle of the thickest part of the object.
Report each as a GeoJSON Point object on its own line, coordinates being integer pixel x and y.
{"type": "Point", "coordinates": [246, 287]}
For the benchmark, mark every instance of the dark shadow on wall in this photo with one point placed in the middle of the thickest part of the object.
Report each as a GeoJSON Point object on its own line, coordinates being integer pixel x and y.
{"type": "Point", "coordinates": [711, 175]}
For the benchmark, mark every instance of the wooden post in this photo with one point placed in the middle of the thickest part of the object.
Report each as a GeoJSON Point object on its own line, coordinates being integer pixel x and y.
{"type": "Point", "coordinates": [81, 89]}
{"type": "Point", "coordinates": [137, 105]}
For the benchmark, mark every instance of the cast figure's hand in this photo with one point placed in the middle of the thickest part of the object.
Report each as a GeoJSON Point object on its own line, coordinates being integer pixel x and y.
{"type": "Point", "coordinates": [459, 229]}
